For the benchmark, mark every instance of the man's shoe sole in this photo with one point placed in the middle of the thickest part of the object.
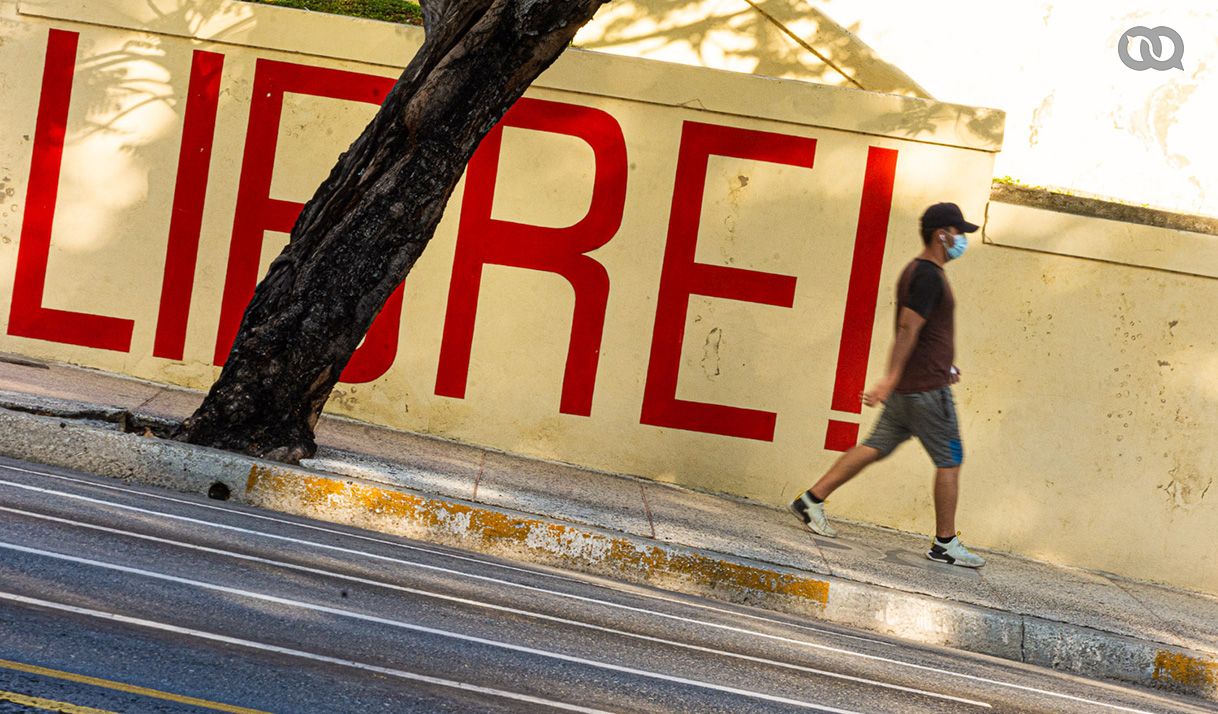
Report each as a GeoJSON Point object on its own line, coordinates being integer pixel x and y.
{"type": "Point", "coordinates": [807, 524]}
{"type": "Point", "coordinates": [948, 560]}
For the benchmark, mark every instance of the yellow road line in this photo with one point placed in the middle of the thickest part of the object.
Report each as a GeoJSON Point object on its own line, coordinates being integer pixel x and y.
{"type": "Point", "coordinates": [121, 687]}
{"type": "Point", "coordinates": [48, 704]}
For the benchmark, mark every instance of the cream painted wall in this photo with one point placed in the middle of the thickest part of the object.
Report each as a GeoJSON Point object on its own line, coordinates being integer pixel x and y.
{"type": "Point", "coordinates": [1088, 404]}
{"type": "Point", "coordinates": [1089, 399]}
{"type": "Point", "coordinates": [108, 247]}
{"type": "Point", "coordinates": [774, 38]}
{"type": "Point", "coordinates": [1077, 118]}
{"type": "Point", "coordinates": [1051, 379]}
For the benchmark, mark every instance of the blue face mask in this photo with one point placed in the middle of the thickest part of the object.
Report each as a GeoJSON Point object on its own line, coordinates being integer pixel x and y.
{"type": "Point", "coordinates": [957, 249]}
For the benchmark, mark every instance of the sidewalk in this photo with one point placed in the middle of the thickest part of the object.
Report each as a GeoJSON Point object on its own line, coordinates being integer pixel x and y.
{"type": "Point", "coordinates": [1088, 623]}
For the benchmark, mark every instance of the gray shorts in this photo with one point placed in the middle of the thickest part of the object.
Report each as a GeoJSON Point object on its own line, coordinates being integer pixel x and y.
{"type": "Point", "coordinates": [930, 416]}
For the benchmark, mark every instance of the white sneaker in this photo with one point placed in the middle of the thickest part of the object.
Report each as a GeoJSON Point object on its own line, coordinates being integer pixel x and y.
{"type": "Point", "coordinates": [953, 552]}
{"type": "Point", "coordinates": [812, 515]}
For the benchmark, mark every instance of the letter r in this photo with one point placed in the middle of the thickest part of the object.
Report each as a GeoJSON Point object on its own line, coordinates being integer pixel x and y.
{"type": "Point", "coordinates": [482, 240]}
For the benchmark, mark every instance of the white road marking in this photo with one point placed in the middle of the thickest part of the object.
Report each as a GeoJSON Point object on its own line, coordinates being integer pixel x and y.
{"type": "Point", "coordinates": [402, 674]}
{"type": "Point", "coordinates": [434, 568]}
{"type": "Point", "coordinates": [499, 608]}
{"type": "Point", "coordinates": [407, 546]}
{"type": "Point", "coordinates": [644, 594]}
{"type": "Point", "coordinates": [400, 624]}
{"type": "Point", "coordinates": [606, 603]}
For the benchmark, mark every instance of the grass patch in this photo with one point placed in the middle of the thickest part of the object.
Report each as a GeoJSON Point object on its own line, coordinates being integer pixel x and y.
{"type": "Point", "coordinates": [401, 11]}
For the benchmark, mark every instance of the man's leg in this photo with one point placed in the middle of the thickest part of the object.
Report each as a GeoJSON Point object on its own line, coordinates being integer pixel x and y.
{"type": "Point", "coordinates": [946, 547]}
{"type": "Point", "coordinates": [888, 434]}
{"type": "Point", "coordinates": [810, 507]}
{"type": "Point", "coordinates": [847, 466]}
{"type": "Point", "coordinates": [947, 491]}
{"type": "Point", "coordinates": [938, 428]}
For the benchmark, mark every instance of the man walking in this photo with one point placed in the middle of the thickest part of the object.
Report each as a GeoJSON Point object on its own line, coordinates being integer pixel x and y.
{"type": "Point", "coordinates": [916, 390]}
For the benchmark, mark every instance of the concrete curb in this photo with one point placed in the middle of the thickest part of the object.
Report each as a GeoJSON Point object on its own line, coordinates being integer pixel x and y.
{"type": "Point", "coordinates": [1077, 650]}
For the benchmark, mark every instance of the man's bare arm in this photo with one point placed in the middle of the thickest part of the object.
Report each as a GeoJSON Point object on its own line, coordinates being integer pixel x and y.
{"type": "Point", "coordinates": [909, 324]}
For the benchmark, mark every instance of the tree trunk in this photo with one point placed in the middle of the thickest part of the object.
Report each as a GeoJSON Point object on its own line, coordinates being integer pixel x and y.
{"type": "Point", "coordinates": [362, 232]}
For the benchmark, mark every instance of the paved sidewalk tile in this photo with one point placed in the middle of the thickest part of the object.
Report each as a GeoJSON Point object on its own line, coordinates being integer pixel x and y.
{"type": "Point", "coordinates": [172, 403]}
{"type": "Point", "coordinates": [564, 492]}
{"type": "Point", "coordinates": [448, 483]}
{"type": "Point", "coordinates": [1010, 583]}
{"type": "Point", "coordinates": [419, 453]}
{"type": "Point", "coordinates": [1182, 616]}
{"type": "Point", "coordinates": [77, 385]}
{"type": "Point", "coordinates": [729, 525]}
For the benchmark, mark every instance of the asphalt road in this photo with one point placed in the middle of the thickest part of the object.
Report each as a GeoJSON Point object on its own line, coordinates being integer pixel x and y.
{"type": "Point", "coordinates": [122, 598]}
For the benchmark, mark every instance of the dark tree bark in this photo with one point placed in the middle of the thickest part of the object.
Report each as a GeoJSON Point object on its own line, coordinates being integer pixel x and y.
{"type": "Point", "coordinates": [362, 232]}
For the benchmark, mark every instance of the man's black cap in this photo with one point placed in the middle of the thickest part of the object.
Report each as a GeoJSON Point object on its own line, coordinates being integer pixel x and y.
{"type": "Point", "coordinates": [942, 215]}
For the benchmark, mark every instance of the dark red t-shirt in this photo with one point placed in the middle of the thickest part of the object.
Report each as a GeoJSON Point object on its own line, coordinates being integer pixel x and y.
{"type": "Point", "coordinates": [923, 288]}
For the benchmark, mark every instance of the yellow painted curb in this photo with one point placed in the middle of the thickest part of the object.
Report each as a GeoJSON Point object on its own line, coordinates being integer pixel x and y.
{"type": "Point", "coordinates": [378, 508]}
{"type": "Point", "coordinates": [1181, 670]}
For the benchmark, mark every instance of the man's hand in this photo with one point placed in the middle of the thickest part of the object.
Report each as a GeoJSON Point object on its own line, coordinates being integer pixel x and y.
{"type": "Point", "coordinates": [955, 375]}
{"type": "Point", "coordinates": [878, 394]}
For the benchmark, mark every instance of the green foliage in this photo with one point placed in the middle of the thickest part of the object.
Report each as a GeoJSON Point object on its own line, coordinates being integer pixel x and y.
{"type": "Point", "coordinates": [401, 11]}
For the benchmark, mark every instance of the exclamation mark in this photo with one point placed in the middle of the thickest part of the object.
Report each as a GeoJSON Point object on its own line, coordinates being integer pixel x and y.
{"type": "Point", "coordinates": [861, 296]}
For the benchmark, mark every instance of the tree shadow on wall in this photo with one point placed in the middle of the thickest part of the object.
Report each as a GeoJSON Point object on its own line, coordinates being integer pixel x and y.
{"type": "Point", "coordinates": [921, 119]}
{"type": "Point", "coordinates": [841, 47]}
{"type": "Point", "coordinates": [769, 46]}
{"type": "Point", "coordinates": [684, 23]}
{"type": "Point", "coordinates": [771, 34]}
{"type": "Point", "coordinates": [125, 81]}
{"type": "Point", "coordinates": [127, 109]}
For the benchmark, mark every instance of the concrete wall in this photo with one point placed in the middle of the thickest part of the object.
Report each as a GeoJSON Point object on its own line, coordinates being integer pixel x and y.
{"type": "Point", "coordinates": [773, 38]}
{"type": "Point", "coordinates": [1093, 389]}
{"type": "Point", "coordinates": [1081, 308]}
{"type": "Point", "coordinates": [1077, 118]}
{"type": "Point", "coordinates": [789, 238]}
